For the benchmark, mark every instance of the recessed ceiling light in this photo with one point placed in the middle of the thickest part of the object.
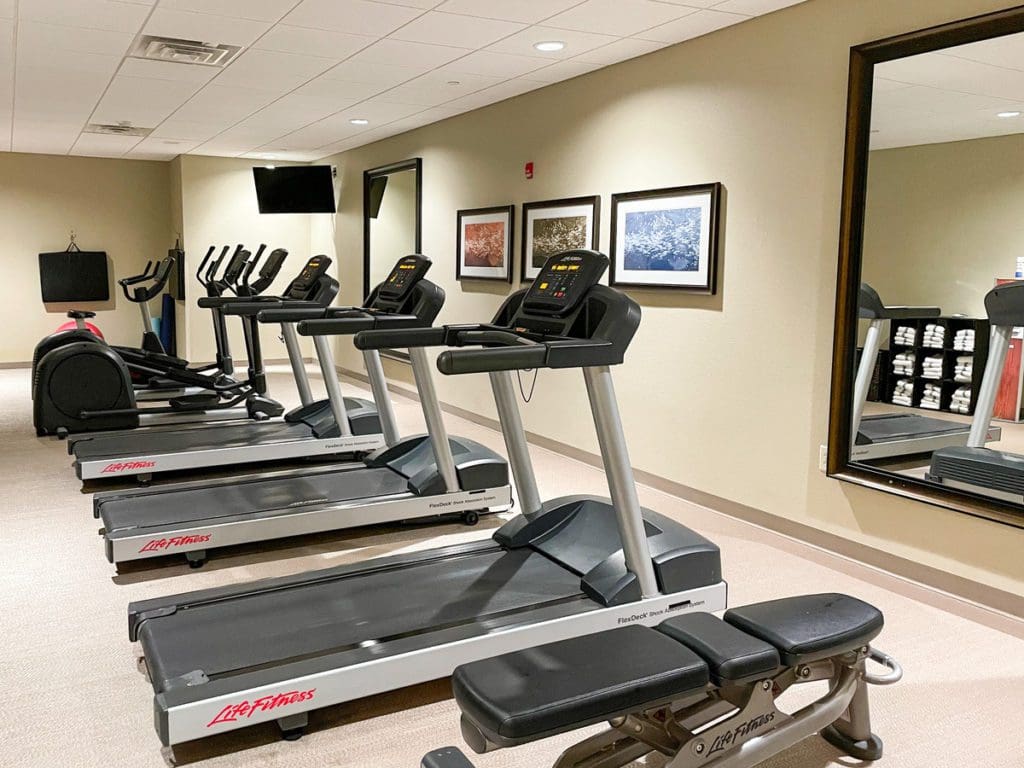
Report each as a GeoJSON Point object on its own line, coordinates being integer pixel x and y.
{"type": "Point", "coordinates": [454, 82]}
{"type": "Point", "coordinates": [359, 121]}
{"type": "Point", "coordinates": [270, 166]}
{"type": "Point", "coordinates": [549, 45]}
{"type": "Point", "coordinates": [1008, 114]}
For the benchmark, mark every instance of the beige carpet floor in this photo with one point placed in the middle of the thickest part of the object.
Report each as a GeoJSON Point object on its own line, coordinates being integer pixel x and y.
{"type": "Point", "coordinates": [71, 693]}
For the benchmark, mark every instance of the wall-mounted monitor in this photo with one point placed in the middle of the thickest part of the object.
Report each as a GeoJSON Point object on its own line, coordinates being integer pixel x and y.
{"type": "Point", "coordinates": [74, 276]}
{"type": "Point", "coordinates": [295, 189]}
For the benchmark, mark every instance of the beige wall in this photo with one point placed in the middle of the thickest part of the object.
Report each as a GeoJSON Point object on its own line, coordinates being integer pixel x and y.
{"type": "Point", "coordinates": [943, 221]}
{"type": "Point", "coordinates": [727, 394]}
{"type": "Point", "coordinates": [218, 202]}
{"type": "Point", "coordinates": [119, 206]}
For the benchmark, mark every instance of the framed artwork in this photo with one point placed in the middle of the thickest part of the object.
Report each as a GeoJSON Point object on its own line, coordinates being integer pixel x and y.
{"type": "Point", "coordinates": [666, 238]}
{"type": "Point", "coordinates": [553, 226]}
{"type": "Point", "coordinates": [484, 247]}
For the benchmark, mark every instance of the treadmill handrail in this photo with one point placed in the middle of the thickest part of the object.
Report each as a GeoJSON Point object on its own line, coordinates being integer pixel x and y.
{"type": "Point", "coordinates": [459, 361]}
{"type": "Point", "coordinates": [253, 305]}
{"type": "Point", "coordinates": [439, 336]}
{"type": "Point", "coordinates": [871, 307]}
{"type": "Point", "coordinates": [349, 326]}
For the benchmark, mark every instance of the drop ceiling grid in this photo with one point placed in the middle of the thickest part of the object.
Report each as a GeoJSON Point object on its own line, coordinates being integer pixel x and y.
{"type": "Point", "coordinates": [429, 37]}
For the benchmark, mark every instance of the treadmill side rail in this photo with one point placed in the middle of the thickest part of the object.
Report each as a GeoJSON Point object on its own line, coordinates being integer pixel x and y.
{"type": "Point", "coordinates": [107, 468]}
{"type": "Point", "coordinates": [211, 533]}
{"type": "Point", "coordinates": [187, 713]}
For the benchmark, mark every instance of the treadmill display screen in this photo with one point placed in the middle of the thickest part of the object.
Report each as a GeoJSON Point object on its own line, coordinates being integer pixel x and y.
{"type": "Point", "coordinates": [563, 282]}
{"type": "Point", "coordinates": [405, 274]}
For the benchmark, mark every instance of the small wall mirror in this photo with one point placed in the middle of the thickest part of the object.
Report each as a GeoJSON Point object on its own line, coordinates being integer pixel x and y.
{"type": "Point", "coordinates": [392, 203]}
{"type": "Point", "coordinates": [928, 380]}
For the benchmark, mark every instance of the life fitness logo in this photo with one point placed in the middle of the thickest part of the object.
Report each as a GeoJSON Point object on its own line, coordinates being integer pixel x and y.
{"type": "Point", "coordinates": [126, 466]}
{"type": "Point", "coordinates": [244, 710]}
{"type": "Point", "coordinates": [156, 545]}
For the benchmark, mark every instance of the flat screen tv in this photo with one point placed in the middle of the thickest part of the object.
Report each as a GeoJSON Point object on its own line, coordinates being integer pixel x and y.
{"type": "Point", "coordinates": [295, 189]}
{"type": "Point", "coordinates": [74, 276]}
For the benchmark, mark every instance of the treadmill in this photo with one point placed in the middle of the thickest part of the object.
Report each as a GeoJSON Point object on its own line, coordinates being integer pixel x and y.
{"type": "Point", "coordinates": [973, 467]}
{"type": "Point", "coordinates": [308, 431]}
{"type": "Point", "coordinates": [400, 482]}
{"type": "Point", "coordinates": [888, 435]}
{"type": "Point", "coordinates": [274, 649]}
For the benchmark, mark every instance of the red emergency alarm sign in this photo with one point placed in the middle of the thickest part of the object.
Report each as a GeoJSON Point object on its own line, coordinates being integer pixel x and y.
{"type": "Point", "coordinates": [528, 170]}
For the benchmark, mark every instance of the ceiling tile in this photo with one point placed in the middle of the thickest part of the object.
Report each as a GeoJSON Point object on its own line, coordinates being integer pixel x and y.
{"type": "Point", "coordinates": [6, 9]}
{"type": "Point", "coordinates": [103, 145]}
{"type": "Point", "coordinates": [87, 14]}
{"type": "Point", "coordinates": [400, 53]}
{"type": "Point", "coordinates": [882, 85]}
{"type": "Point", "coordinates": [313, 42]}
{"type": "Point", "coordinates": [340, 91]}
{"type": "Point", "coordinates": [495, 64]}
{"type": "Point", "coordinates": [562, 70]}
{"type": "Point", "coordinates": [457, 31]}
{"type": "Point", "coordinates": [383, 75]}
{"type": "Point", "coordinates": [142, 101]}
{"type": "Point", "coordinates": [575, 42]}
{"type": "Point", "coordinates": [359, 17]}
{"type": "Point", "coordinates": [204, 26]}
{"type": "Point", "coordinates": [47, 137]}
{"type": "Point", "coordinates": [167, 70]}
{"type": "Point", "coordinates": [48, 37]}
{"type": "Point", "coordinates": [217, 103]}
{"type": "Point", "coordinates": [755, 7]}
{"type": "Point", "coordinates": [296, 110]}
{"type": "Point", "coordinates": [617, 17]}
{"type": "Point", "coordinates": [326, 131]}
{"type": "Point", "coordinates": [436, 88]}
{"type": "Point", "coordinates": [378, 111]}
{"type": "Point", "coordinates": [187, 130]}
{"type": "Point", "coordinates": [258, 10]}
{"type": "Point", "coordinates": [217, 149]}
{"type": "Point", "coordinates": [1005, 51]}
{"type": "Point", "coordinates": [694, 25]}
{"type": "Point", "coordinates": [424, 5]}
{"type": "Point", "coordinates": [272, 70]}
{"type": "Point", "coordinates": [620, 50]}
{"type": "Point", "coordinates": [528, 11]}
{"type": "Point", "coordinates": [35, 63]}
{"type": "Point", "coordinates": [954, 74]}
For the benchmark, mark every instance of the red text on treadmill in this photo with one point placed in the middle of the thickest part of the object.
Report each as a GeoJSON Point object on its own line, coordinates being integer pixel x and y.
{"type": "Point", "coordinates": [155, 545]}
{"type": "Point", "coordinates": [125, 466]}
{"type": "Point", "coordinates": [246, 709]}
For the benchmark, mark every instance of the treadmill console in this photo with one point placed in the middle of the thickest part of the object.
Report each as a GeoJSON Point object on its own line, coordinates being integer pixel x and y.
{"type": "Point", "coordinates": [273, 264]}
{"type": "Point", "coordinates": [563, 282]}
{"type": "Point", "coordinates": [308, 279]}
{"type": "Point", "coordinates": [403, 278]}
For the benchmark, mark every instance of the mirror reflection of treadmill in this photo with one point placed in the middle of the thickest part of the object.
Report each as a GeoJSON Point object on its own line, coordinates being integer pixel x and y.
{"type": "Point", "coordinates": [973, 467]}
{"type": "Point", "coordinates": [888, 435]}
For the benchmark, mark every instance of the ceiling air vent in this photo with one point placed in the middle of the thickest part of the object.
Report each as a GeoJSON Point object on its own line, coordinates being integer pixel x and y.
{"type": "Point", "coordinates": [118, 129]}
{"type": "Point", "coordinates": [183, 51]}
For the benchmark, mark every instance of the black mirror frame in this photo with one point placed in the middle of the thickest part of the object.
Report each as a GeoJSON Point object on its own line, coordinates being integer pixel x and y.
{"type": "Point", "coordinates": [416, 164]}
{"type": "Point", "coordinates": [863, 59]}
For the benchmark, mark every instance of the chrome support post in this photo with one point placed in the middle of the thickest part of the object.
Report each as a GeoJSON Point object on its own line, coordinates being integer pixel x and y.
{"type": "Point", "coordinates": [515, 443]}
{"type": "Point", "coordinates": [435, 421]}
{"type": "Point", "coordinates": [999, 344]}
{"type": "Point", "coordinates": [381, 396]}
{"type": "Point", "coordinates": [865, 371]}
{"type": "Point", "coordinates": [334, 396]}
{"type": "Point", "coordinates": [621, 483]}
{"type": "Point", "coordinates": [291, 343]}
{"type": "Point", "coordinates": [147, 317]}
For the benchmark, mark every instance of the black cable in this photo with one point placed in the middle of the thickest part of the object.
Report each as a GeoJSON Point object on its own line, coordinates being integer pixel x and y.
{"type": "Point", "coordinates": [533, 384]}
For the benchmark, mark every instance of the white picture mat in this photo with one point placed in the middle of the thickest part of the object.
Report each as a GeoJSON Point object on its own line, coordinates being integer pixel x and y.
{"type": "Point", "coordinates": [485, 218]}
{"type": "Point", "coordinates": [696, 278]}
{"type": "Point", "coordinates": [564, 211]}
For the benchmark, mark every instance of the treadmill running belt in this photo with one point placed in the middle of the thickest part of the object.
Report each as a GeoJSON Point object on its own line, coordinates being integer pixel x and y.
{"type": "Point", "coordinates": [235, 635]}
{"type": "Point", "coordinates": [892, 426]}
{"type": "Point", "coordinates": [277, 494]}
{"type": "Point", "coordinates": [209, 438]}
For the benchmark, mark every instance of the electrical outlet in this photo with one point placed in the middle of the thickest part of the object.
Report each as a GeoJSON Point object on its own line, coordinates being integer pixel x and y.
{"type": "Point", "coordinates": [823, 458]}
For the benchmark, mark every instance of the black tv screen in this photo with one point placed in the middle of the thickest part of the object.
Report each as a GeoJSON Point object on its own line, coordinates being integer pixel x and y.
{"type": "Point", "coordinates": [74, 276]}
{"type": "Point", "coordinates": [295, 189]}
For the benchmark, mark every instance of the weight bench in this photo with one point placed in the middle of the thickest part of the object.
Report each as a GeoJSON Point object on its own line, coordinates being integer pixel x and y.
{"type": "Point", "coordinates": [696, 688]}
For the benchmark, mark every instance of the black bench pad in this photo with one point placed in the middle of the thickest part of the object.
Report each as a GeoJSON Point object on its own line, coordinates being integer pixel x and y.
{"type": "Point", "coordinates": [732, 656]}
{"type": "Point", "coordinates": [524, 695]}
{"type": "Point", "coordinates": [810, 627]}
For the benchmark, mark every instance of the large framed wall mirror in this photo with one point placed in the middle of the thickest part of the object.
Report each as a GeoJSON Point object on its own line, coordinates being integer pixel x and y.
{"type": "Point", "coordinates": [928, 371]}
{"type": "Point", "coordinates": [392, 212]}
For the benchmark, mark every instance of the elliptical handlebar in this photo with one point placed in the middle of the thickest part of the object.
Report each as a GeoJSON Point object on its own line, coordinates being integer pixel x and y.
{"type": "Point", "coordinates": [202, 264]}
{"type": "Point", "coordinates": [241, 288]}
{"type": "Point", "coordinates": [160, 274]}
